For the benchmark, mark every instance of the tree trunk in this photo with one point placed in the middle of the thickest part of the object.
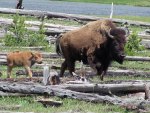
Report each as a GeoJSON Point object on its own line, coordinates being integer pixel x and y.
{"type": "Point", "coordinates": [65, 93]}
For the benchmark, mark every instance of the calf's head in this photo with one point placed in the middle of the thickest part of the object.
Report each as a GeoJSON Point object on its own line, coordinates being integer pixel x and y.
{"type": "Point", "coordinates": [118, 37]}
{"type": "Point", "coordinates": [36, 58]}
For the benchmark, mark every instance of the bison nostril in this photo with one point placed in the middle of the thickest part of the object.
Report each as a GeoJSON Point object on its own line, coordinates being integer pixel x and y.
{"type": "Point", "coordinates": [40, 62]}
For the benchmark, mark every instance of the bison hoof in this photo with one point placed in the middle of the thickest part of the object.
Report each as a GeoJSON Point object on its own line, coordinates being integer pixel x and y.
{"type": "Point", "coordinates": [102, 78]}
{"type": "Point", "coordinates": [61, 75]}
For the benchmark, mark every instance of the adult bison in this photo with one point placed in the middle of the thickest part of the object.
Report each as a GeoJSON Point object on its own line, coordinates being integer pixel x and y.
{"type": "Point", "coordinates": [97, 44]}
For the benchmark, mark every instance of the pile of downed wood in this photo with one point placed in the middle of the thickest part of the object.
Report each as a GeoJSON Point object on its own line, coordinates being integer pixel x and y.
{"type": "Point", "coordinates": [68, 16]}
{"type": "Point", "coordinates": [133, 95]}
{"type": "Point", "coordinates": [52, 30]}
{"type": "Point", "coordinates": [52, 56]}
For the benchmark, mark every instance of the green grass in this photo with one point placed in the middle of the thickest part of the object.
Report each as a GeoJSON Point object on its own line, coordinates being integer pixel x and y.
{"type": "Point", "coordinates": [120, 2]}
{"type": "Point", "coordinates": [28, 104]}
{"type": "Point", "coordinates": [134, 18]}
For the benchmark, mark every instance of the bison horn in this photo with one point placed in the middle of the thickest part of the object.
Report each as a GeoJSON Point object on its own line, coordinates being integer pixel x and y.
{"type": "Point", "coordinates": [111, 36]}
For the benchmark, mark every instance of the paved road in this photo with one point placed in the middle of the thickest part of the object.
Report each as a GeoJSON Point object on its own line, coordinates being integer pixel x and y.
{"type": "Point", "coordinates": [78, 8]}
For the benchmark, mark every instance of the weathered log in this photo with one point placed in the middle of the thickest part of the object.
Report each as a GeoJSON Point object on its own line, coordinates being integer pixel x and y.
{"type": "Point", "coordinates": [94, 88]}
{"type": "Point", "coordinates": [144, 36]}
{"type": "Point", "coordinates": [8, 22]}
{"type": "Point", "coordinates": [54, 55]}
{"type": "Point", "coordinates": [34, 73]}
{"type": "Point", "coordinates": [57, 28]}
{"type": "Point", "coordinates": [147, 92]}
{"type": "Point", "coordinates": [133, 73]}
{"type": "Point", "coordinates": [48, 31]}
{"type": "Point", "coordinates": [105, 88]}
{"type": "Point", "coordinates": [27, 81]}
{"type": "Point", "coordinates": [44, 54]}
{"type": "Point", "coordinates": [125, 82]}
{"type": "Point", "coordinates": [144, 107]}
{"type": "Point", "coordinates": [14, 94]}
{"type": "Point", "coordinates": [146, 43]}
{"type": "Point", "coordinates": [63, 93]}
{"type": "Point", "coordinates": [49, 102]}
{"type": "Point", "coordinates": [10, 107]}
{"type": "Point", "coordinates": [137, 58]}
{"type": "Point", "coordinates": [63, 15]}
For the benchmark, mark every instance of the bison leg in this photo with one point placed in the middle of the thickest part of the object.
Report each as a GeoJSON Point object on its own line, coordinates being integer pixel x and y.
{"type": "Point", "coordinates": [102, 75]}
{"type": "Point", "coordinates": [102, 71]}
{"type": "Point", "coordinates": [90, 57]}
{"type": "Point", "coordinates": [63, 68]}
{"type": "Point", "coordinates": [90, 61]}
{"type": "Point", "coordinates": [71, 67]}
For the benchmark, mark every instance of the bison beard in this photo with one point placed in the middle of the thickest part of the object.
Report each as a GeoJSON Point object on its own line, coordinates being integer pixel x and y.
{"type": "Point", "coordinates": [96, 44]}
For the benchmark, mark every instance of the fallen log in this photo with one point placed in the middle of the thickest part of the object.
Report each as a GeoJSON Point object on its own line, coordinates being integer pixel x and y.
{"type": "Point", "coordinates": [49, 102]}
{"type": "Point", "coordinates": [146, 43]}
{"type": "Point", "coordinates": [105, 88]}
{"type": "Point", "coordinates": [64, 93]}
{"type": "Point", "coordinates": [8, 22]}
{"type": "Point", "coordinates": [13, 94]}
{"type": "Point", "coordinates": [112, 73]}
{"type": "Point", "coordinates": [55, 55]}
{"type": "Point", "coordinates": [92, 88]}
{"type": "Point", "coordinates": [44, 54]}
{"type": "Point", "coordinates": [147, 92]}
{"type": "Point", "coordinates": [135, 73]}
{"type": "Point", "coordinates": [49, 31]}
{"type": "Point", "coordinates": [10, 107]}
{"type": "Point", "coordinates": [137, 58]}
{"type": "Point", "coordinates": [69, 16]}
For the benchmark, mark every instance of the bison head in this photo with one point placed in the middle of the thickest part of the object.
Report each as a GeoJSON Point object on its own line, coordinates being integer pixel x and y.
{"type": "Point", "coordinates": [118, 37]}
{"type": "Point", "coordinates": [36, 58]}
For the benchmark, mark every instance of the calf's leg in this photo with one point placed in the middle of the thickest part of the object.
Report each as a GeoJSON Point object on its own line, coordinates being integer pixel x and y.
{"type": "Point", "coordinates": [9, 70]}
{"type": "Point", "coordinates": [28, 69]}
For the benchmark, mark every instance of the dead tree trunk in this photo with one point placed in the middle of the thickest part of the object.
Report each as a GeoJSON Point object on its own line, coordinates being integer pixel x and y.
{"type": "Point", "coordinates": [64, 93]}
{"type": "Point", "coordinates": [34, 88]}
{"type": "Point", "coordinates": [69, 16]}
{"type": "Point", "coordinates": [147, 92]}
{"type": "Point", "coordinates": [105, 88]}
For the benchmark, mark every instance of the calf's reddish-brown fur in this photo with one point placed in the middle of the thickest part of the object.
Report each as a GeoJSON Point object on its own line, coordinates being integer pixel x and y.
{"type": "Point", "coordinates": [22, 58]}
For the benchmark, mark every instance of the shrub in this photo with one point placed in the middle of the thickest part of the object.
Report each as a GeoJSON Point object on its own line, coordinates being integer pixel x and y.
{"type": "Point", "coordinates": [133, 44]}
{"type": "Point", "coordinates": [20, 36]}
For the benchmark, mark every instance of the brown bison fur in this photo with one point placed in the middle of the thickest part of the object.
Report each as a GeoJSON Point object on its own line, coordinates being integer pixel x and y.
{"type": "Point", "coordinates": [97, 44]}
{"type": "Point", "coordinates": [22, 58]}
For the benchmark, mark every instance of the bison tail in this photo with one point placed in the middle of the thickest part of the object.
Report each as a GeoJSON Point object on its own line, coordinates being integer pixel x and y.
{"type": "Point", "coordinates": [58, 47]}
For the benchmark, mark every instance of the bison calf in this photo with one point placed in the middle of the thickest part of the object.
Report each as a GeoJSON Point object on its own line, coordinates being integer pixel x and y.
{"type": "Point", "coordinates": [22, 58]}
